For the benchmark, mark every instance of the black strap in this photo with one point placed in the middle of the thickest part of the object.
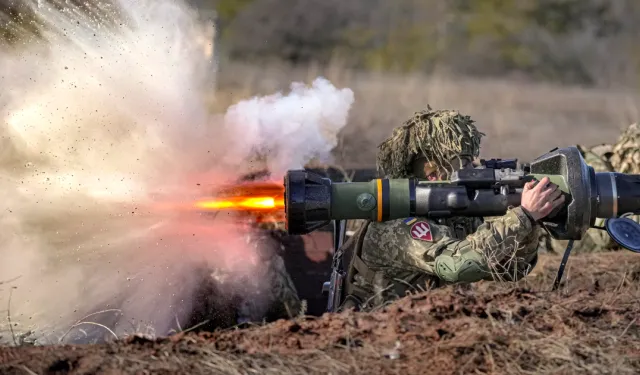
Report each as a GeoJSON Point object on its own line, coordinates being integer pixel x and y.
{"type": "Point", "coordinates": [363, 270]}
{"type": "Point", "coordinates": [356, 266]}
{"type": "Point", "coordinates": [563, 264]}
{"type": "Point", "coordinates": [528, 215]}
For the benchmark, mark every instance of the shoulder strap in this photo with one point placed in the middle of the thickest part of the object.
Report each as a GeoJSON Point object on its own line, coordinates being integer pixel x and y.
{"type": "Point", "coordinates": [353, 249]}
{"type": "Point", "coordinates": [356, 296]}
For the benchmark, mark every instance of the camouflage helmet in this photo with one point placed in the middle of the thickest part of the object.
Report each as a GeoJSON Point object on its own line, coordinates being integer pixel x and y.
{"type": "Point", "coordinates": [597, 157]}
{"type": "Point", "coordinates": [626, 152]}
{"type": "Point", "coordinates": [437, 135]}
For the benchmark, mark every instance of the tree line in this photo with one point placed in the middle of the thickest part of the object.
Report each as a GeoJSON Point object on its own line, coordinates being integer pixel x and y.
{"type": "Point", "coordinates": [589, 42]}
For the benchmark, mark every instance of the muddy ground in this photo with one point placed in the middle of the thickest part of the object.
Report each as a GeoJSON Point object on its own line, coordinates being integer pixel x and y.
{"type": "Point", "coordinates": [591, 326]}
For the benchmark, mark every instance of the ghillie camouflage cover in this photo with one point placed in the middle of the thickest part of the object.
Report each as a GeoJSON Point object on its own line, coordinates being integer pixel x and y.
{"type": "Point", "coordinates": [437, 135]}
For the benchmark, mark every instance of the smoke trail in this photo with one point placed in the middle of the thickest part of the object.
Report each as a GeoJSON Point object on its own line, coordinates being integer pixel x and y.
{"type": "Point", "coordinates": [104, 124]}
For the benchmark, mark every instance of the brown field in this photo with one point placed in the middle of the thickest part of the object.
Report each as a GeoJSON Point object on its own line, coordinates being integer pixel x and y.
{"type": "Point", "coordinates": [589, 327]}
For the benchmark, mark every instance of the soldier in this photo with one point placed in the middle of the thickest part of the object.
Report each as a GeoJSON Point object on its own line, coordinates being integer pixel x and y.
{"type": "Point", "coordinates": [623, 157]}
{"type": "Point", "coordinates": [271, 295]}
{"type": "Point", "coordinates": [390, 259]}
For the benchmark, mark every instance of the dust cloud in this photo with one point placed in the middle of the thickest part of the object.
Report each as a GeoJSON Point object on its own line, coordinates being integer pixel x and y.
{"type": "Point", "coordinates": [105, 140]}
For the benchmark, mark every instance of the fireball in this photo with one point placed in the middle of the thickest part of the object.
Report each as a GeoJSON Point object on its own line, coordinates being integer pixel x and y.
{"type": "Point", "coordinates": [258, 201]}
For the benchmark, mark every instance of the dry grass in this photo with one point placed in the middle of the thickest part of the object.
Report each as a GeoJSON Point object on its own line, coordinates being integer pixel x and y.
{"type": "Point", "coordinates": [589, 327]}
{"type": "Point", "coordinates": [520, 119]}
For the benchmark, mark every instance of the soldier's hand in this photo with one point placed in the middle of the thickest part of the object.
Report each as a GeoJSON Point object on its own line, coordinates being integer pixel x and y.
{"type": "Point", "coordinates": [540, 199]}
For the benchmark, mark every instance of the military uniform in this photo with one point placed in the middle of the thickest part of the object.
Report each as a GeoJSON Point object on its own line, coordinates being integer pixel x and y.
{"type": "Point", "coordinates": [625, 158]}
{"type": "Point", "coordinates": [272, 295]}
{"type": "Point", "coordinates": [390, 259]}
{"type": "Point", "coordinates": [625, 155]}
{"type": "Point", "coordinates": [276, 299]}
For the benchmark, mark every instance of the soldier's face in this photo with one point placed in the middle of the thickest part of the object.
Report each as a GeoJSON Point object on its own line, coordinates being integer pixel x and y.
{"type": "Point", "coordinates": [431, 172]}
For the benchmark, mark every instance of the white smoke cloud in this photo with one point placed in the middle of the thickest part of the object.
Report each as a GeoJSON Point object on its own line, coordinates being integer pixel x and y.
{"type": "Point", "coordinates": [104, 134]}
{"type": "Point", "coordinates": [291, 129]}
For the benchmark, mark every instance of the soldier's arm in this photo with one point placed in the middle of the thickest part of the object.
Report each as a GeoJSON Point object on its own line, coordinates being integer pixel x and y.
{"type": "Point", "coordinates": [504, 248]}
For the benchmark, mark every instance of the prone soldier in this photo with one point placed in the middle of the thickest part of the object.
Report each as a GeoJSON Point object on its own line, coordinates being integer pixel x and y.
{"type": "Point", "coordinates": [277, 297]}
{"type": "Point", "coordinates": [270, 295]}
{"type": "Point", "coordinates": [622, 157]}
{"type": "Point", "coordinates": [390, 259]}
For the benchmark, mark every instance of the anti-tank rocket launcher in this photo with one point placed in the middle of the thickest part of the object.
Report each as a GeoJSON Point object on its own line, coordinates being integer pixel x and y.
{"type": "Point", "coordinates": [312, 202]}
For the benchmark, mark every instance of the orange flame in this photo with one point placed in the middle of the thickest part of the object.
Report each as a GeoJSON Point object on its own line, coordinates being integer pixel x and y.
{"type": "Point", "coordinates": [242, 203]}
{"type": "Point", "coordinates": [264, 201]}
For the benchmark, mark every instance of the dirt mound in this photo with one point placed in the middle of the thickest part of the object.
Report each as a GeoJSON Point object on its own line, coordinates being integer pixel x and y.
{"type": "Point", "coordinates": [589, 327]}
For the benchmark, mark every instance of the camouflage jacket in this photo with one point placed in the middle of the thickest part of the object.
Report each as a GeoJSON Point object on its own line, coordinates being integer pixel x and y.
{"type": "Point", "coordinates": [625, 155]}
{"type": "Point", "coordinates": [598, 157]}
{"type": "Point", "coordinates": [391, 259]}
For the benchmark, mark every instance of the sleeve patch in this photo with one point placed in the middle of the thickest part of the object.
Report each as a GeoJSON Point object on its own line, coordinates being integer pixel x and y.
{"type": "Point", "coordinates": [409, 220]}
{"type": "Point", "coordinates": [421, 231]}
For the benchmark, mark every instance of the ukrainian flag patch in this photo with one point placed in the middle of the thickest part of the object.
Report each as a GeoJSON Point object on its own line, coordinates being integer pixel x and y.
{"type": "Point", "coordinates": [410, 220]}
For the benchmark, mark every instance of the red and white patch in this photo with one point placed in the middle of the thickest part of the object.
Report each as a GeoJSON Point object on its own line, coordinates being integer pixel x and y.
{"type": "Point", "coordinates": [421, 231]}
